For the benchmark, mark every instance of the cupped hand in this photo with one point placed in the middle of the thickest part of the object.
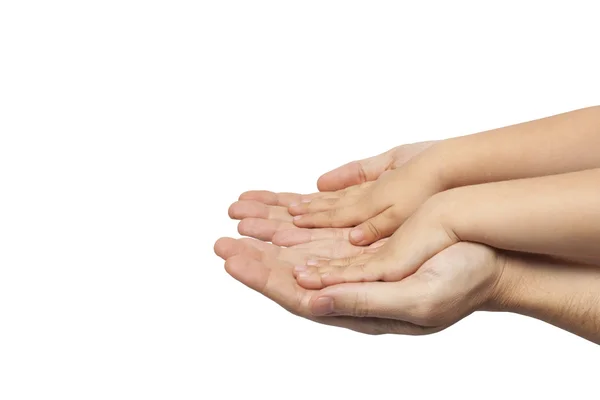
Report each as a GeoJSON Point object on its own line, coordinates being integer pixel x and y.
{"type": "Point", "coordinates": [377, 209]}
{"type": "Point", "coordinates": [369, 169]}
{"type": "Point", "coordinates": [263, 218]}
{"type": "Point", "coordinates": [422, 236]}
{"type": "Point", "coordinates": [264, 215]}
{"type": "Point", "coordinates": [447, 288]}
{"type": "Point", "coordinates": [451, 285]}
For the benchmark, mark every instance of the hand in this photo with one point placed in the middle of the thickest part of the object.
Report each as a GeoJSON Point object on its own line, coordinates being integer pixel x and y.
{"type": "Point", "coordinates": [447, 288]}
{"type": "Point", "coordinates": [378, 208]}
{"type": "Point", "coordinates": [557, 215]}
{"type": "Point", "coordinates": [263, 218]}
{"type": "Point", "coordinates": [422, 236]}
{"type": "Point", "coordinates": [264, 213]}
{"type": "Point", "coordinates": [369, 169]}
{"type": "Point", "coordinates": [272, 276]}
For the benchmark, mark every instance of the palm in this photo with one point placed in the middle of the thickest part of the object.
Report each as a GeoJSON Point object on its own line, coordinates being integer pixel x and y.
{"type": "Point", "coordinates": [261, 269]}
{"type": "Point", "coordinates": [447, 288]}
{"type": "Point", "coordinates": [264, 216]}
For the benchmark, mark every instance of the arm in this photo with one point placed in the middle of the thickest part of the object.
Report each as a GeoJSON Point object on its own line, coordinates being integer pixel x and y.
{"type": "Point", "coordinates": [451, 285]}
{"type": "Point", "coordinates": [559, 144]}
{"type": "Point", "coordinates": [562, 143]}
{"type": "Point", "coordinates": [563, 294]}
{"type": "Point", "coordinates": [555, 215]}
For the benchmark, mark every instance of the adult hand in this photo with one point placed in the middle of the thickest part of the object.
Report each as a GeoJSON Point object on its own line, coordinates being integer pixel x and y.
{"type": "Point", "coordinates": [557, 215]}
{"type": "Point", "coordinates": [263, 218]}
{"type": "Point", "coordinates": [264, 215]}
{"type": "Point", "coordinates": [448, 287]}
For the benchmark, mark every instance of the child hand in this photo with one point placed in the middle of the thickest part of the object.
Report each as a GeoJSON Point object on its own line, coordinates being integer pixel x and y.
{"type": "Point", "coordinates": [423, 235]}
{"type": "Point", "coordinates": [378, 208]}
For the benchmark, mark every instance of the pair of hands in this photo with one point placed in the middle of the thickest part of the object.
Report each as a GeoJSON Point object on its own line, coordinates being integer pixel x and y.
{"type": "Point", "coordinates": [446, 286]}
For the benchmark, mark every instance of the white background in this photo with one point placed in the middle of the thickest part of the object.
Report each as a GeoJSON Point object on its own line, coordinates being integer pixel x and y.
{"type": "Point", "coordinates": [128, 127]}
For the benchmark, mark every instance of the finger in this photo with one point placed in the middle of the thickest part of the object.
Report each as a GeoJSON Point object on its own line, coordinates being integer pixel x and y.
{"type": "Point", "coordinates": [376, 228]}
{"type": "Point", "coordinates": [288, 255]}
{"type": "Point", "coordinates": [320, 277]}
{"type": "Point", "coordinates": [254, 209]}
{"type": "Point", "coordinates": [315, 205]}
{"type": "Point", "coordinates": [317, 274]}
{"type": "Point", "coordinates": [341, 198]}
{"type": "Point", "coordinates": [378, 326]}
{"type": "Point", "coordinates": [229, 247]}
{"type": "Point", "coordinates": [329, 249]}
{"type": "Point", "coordinates": [295, 235]}
{"type": "Point", "coordinates": [271, 278]}
{"type": "Point", "coordinates": [341, 261]}
{"type": "Point", "coordinates": [334, 218]}
{"type": "Point", "coordinates": [264, 229]}
{"type": "Point", "coordinates": [378, 244]}
{"type": "Point", "coordinates": [278, 199]}
{"type": "Point", "coordinates": [269, 250]}
{"type": "Point", "coordinates": [394, 300]}
{"type": "Point", "coordinates": [355, 172]}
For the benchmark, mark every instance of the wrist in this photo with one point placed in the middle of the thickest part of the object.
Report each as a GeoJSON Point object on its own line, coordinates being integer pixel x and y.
{"type": "Point", "coordinates": [441, 159]}
{"type": "Point", "coordinates": [507, 291]}
{"type": "Point", "coordinates": [432, 164]}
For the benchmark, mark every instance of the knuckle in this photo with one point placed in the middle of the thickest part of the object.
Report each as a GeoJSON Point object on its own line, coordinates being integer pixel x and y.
{"type": "Point", "coordinates": [332, 214]}
{"type": "Point", "coordinates": [360, 306]}
{"type": "Point", "coordinates": [347, 261]}
{"type": "Point", "coordinates": [362, 174]}
{"type": "Point", "coordinates": [373, 229]}
{"type": "Point", "coordinates": [320, 204]}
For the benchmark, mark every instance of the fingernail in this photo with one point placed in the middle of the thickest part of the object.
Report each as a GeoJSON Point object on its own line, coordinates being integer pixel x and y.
{"type": "Point", "coordinates": [300, 268]}
{"type": "Point", "coordinates": [293, 204]}
{"type": "Point", "coordinates": [297, 217]}
{"type": "Point", "coordinates": [312, 263]}
{"type": "Point", "coordinates": [322, 306]}
{"type": "Point", "coordinates": [303, 274]}
{"type": "Point", "coordinates": [306, 201]}
{"type": "Point", "coordinates": [357, 235]}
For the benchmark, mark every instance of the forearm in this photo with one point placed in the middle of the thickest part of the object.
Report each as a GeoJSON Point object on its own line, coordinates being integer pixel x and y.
{"type": "Point", "coordinates": [563, 294]}
{"type": "Point", "coordinates": [562, 143]}
{"type": "Point", "coordinates": [557, 215]}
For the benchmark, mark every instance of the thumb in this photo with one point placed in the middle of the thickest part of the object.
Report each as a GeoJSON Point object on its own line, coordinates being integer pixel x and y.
{"type": "Point", "coordinates": [394, 300]}
{"type": "Point", "coordinates": [355, 173]}
{"type": "Point", "coordinates": [376, 228]}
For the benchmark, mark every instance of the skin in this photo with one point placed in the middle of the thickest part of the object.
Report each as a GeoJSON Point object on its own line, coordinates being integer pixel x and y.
{"type": "Point", "coordinates": [370, 169]}
{"type": "Point", "coordinates": [263, 217]}
{"type": "Point", "coordinates": [264, 213]}
{"type": "Point", "coordinates": [464, 278]}
{"type": "Point", "coordinates": [556, 215]}
{"type": "Point", "coordinates": [559, 144]}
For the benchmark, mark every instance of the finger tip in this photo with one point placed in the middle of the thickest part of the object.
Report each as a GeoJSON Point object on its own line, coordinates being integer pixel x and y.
{"type": "Point", "coordinates": [280, 239]}
{"type": "Point", "coordinates": [300, 221]}
{"type": "Point", "coordinates": [232, 211]}
{"type": "Point", "coordinates": [357, 236]}
{"type": "Point", "coordinates": [293, 209]}
{"type": "Point", "coordinates": [242, 227]}
{"type": "Point", "coordinates": [223, 246]}
{"type": "Point", "coordinates": [246, 195]}
{"type": "Point", "coordinates": [248, 226]}
{"type": "Point", "coordinates": [308, 283]}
